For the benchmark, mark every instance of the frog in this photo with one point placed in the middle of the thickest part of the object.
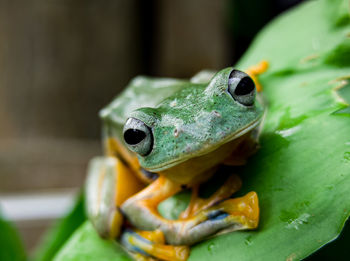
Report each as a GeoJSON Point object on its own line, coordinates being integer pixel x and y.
{"type": "Point", "coordinates": [162, 136]}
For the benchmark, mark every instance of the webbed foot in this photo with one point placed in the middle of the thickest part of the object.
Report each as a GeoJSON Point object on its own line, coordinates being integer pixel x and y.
{"type": "Point", "coordinates": [242, 213]}
{"type": "Point", "coordinates": [231, 214]}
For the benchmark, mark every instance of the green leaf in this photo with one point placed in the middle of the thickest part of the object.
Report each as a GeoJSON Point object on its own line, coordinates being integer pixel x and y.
{"type": "Point", "coordinates": [172, 207]}
{"type": "Point", "coordinates": [343, 92]}
{"type": "Point", "coordinates": [336, 250]}
{"type": "Point", "coordinates": [60, 232]}
{"type": "Point", "coordinates": [302, 170]}
{"type": "Point", "coordinates": [86, 245]}
{"type": "Point", "coordinates": [11, 247]}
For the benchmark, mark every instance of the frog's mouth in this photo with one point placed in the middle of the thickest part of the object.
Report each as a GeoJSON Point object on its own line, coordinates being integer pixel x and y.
{"type": "Point", "coordinates": [206, 150]}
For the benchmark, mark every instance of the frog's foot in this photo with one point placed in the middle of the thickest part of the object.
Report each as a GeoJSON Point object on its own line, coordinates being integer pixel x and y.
{"type": "Point", "coordinates": [229, 215]}
{"type": "Point", "coordinates": [243, 212]}
{"type": "Point", "coordinates": [197, 204]}
{"type": "Point", "coordinates": [255, 70]}
{"type": "Point", "coordinates": [148, 245]}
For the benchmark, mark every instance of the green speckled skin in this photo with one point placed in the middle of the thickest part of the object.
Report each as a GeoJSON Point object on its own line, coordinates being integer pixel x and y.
{"type": "Point", "coordinates": [187, 119]}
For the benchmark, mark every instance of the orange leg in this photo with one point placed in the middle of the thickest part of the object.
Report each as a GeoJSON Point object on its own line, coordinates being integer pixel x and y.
{"type": "Point", "coordinates": [207, 219]}
{"type": "Point", "coordinates": [141, 208]}
{"type": "Point", "coordinates": [155, 236]}
{"type": "Point", "coordinates": [255, 70]}
{"type": "Point", "coordinates": [232, 185]}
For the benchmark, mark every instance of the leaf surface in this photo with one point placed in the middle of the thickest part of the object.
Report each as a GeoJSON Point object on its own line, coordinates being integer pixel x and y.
{"type": "Point", "coordinates": [60, 232]}
{"type": "Point", "coordinates": [11, 247]}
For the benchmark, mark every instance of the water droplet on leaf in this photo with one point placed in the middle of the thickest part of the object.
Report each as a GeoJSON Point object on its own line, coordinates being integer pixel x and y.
{"type": "Point", "coordinates": [295, 223]}
{"type": "Point", "coordinates": [211, 247]}
{"type": "Point", "coordinates": [248, 241]}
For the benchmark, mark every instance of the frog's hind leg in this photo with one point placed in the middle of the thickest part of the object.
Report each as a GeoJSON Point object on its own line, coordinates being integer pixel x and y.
{"type": "Point", "coordinates": [197, 204]}
{"type": "Point", "coordinates": [105, 191]}
{"type": "Point", "coordinates": [147, 245]}
{"type": "Point", "coordinates": [255, 70]}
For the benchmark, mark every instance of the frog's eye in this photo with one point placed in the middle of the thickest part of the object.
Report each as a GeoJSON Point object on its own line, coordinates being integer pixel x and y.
{"type": "Point", "coordinates": [241, 87]}
{"type": "Point", "coordinates": [138, 136]}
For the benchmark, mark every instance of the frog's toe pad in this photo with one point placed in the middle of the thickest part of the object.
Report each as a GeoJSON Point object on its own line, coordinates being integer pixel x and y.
{"type": "Point", "coordinates": [244, 209]}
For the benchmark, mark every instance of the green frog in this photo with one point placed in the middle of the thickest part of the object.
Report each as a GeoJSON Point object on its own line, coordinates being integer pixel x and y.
{"type": "Point", "coordinates": [162, 136]}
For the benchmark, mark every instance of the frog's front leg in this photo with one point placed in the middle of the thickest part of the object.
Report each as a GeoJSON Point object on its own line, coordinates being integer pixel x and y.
{"type": "Point", "coordinates": [197, 204]}
{"type": "Point", "coordinates": [141, 209]}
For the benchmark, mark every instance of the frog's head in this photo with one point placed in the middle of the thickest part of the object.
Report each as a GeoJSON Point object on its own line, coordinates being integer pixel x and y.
{"type": "Point", "coordinates": [194, 121]}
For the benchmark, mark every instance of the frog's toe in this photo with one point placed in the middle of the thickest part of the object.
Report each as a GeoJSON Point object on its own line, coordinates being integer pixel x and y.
{"type": "Point", "coordinates": [197, 204]}
{"type": "Point", "coordinates": [242, 213]}
{"type": "Point", "coordinates": [142, 248]}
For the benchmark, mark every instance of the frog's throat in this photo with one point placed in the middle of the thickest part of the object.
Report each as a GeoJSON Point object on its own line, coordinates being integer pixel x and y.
{"type": "Point", "coordinates": [206, 150]}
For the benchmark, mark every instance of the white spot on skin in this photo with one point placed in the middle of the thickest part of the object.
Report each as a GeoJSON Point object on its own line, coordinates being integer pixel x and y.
{"type": "Point", "coordinates": [200, 128]}
{"type": "Point", "coordinates": [188, 97]}
{"type": "Point", "coordinates": [160, 83]}
{"type": "Point", "coordinates": [168, 120]}
{"type": "Point", "coordinates": [177, 132]}
{"type": "Point", "coordinates": [105, 112]}
{"type": "Point", "coordinates": [216, 113]}
{"type": "Point", "coordinates": [166, 82]}
{"type": "Point", "coordinates": [173, 103]}
{"type": "Point", "coordinates": [288, 132]}
{"type": "Point", "coordinates": [138, 81]}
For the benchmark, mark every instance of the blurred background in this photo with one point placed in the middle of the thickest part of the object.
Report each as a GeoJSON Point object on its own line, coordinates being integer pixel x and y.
{"type": "Point", "coordinates": [62, 61]}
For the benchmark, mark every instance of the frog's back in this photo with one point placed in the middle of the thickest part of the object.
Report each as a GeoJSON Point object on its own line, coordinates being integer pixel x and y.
{"type": "Point", "coordinates": [140, 92]}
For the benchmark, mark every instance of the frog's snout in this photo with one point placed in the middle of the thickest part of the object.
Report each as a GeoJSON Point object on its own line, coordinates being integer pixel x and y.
{"type": "Point", "coordinates": [138, 136]}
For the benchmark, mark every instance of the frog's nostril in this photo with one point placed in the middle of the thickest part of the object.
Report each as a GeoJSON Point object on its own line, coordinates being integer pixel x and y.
{"type": "Point", "coordinates": [134, 136]}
